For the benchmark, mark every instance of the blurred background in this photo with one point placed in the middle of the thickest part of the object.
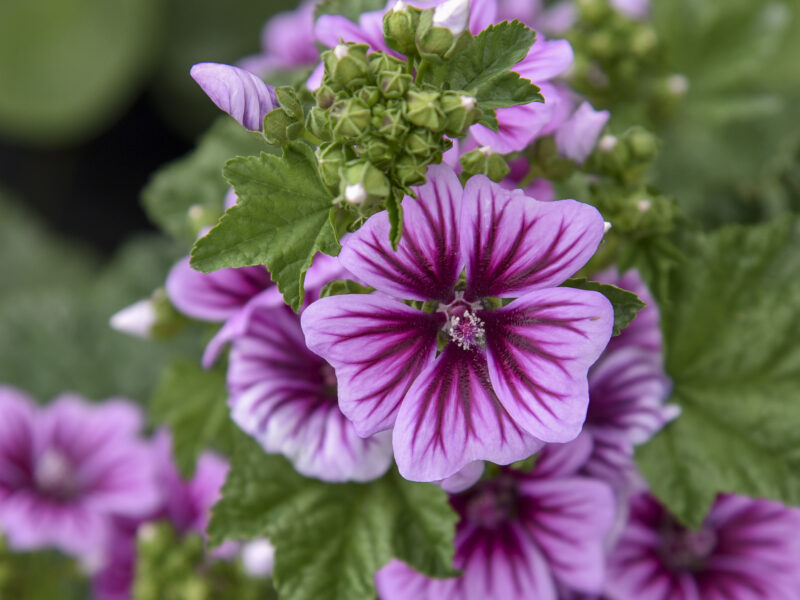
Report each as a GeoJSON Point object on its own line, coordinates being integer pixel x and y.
{"type": "Point", "coordinates": [95, 96]}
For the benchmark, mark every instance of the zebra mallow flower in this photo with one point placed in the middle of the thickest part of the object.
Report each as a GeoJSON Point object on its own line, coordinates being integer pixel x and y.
{"type": "Point", "coordinates": [461, 373]}
{"type": "Point", "coordinates": [746, 549]}
{"type": "Point", "coordinates": [68, 470]}
{"type": "Point", "coordinates": [628, 389]}
{"type": "Point", "coordinates": [521, 535]}
{"type": "Point", "coordinates": [284, 396]}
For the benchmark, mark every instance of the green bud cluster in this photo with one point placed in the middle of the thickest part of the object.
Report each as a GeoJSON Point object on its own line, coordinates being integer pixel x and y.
{"type": "Point", "coordinates": [627, 157]}
{"type": "Point", "coordinates": [546, 161]}
{"type": "Point", "coordinates": [482, 161]}
{"type": "Point", "coordinates": [379, 128]}
{"type": "Point", "coordinates": [638, 211]}
{"type": "Point", "coordinates": [613, 54]}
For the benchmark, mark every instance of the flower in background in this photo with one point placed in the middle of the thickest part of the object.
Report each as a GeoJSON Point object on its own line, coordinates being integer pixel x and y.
{"type": "Point", "coordinates": [238, 92]}
{"type": "Point", "coordinates": [746, 549]}
{"type": "Point", "coordinates": [521, 535]}
{"type": "Point", "coordinates": [68, 469]}
{"type": "Point", "coordinates": [284, 396]}
{"type": "Point", "coordinates": [469, 378]}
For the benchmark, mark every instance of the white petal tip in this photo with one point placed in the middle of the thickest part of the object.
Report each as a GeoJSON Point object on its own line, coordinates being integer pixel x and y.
{"type": "Point", "coordinates": [355, 194]}
{"type": "Point", "coordinates": [258, 558]}
{"type": "Point", "coordinates": [136, 320]}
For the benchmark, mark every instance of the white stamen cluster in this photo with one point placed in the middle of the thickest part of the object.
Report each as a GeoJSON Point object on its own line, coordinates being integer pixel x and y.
{"type": "Point", "coordinates": [471, 322]}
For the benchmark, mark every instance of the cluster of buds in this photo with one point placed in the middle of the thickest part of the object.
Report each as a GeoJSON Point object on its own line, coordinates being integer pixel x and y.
{"type": "Point", "coordinates": [379, 128]}
{"type": "Point", "coordinates": [613, 52]}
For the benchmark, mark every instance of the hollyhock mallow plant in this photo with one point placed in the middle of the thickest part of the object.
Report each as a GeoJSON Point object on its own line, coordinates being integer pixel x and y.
{"type": "Point", "coordinates": [521, 535]}
{"type": "Point", "coordinates": [284, 396]}
{"type": "Point", "coordinates": [487, 365]}
{"type": "Point", "coordinates": [68, 469]}
{"type": "Point", "coordinates": [746, 549]}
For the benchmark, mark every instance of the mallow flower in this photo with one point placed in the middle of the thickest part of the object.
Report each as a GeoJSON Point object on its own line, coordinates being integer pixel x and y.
{"type": "Point", "coordinates": [68, 470]}
{"type": "Point", "coordinates": [487, 366]}
{"type": "Point", "coordinates": [746, 549]}
{"type": "Point", "coordinates": [238, 92]}
{"type": "Point", "coordinates": [284, 396]}
{"type": "Point", "coordinates": [521, 535]}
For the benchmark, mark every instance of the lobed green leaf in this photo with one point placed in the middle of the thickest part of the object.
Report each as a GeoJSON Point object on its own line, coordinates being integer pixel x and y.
{"type": "Point", "coordinates": [626, 304]}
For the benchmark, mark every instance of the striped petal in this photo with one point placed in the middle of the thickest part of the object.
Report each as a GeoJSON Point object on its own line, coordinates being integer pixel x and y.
{"type": "Point", "coordinates": [518, 244]}
{"type": "Point", "coordinates": [540, 348]}
{"type": "Point", "coordinates": [451, 417]}
{"type": "Point", "coordinates": [427, 262]}
{"type": "Point", "coordinates": [378, 347]}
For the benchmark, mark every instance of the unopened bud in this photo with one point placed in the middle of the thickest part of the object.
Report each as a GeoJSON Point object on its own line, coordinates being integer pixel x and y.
{"type": "Point", "coordinates": [607, 143]}
{"type": "Point", "coordinates": [422, 142]}
{"type": "Point", "coordinates": [355, 194]}
{"type": "Point", "coordinates": [399, 27]}
{"type": "Point", "coordinates": [410, 170]}
{"type": "Point", "coordinates": [391, 124]}
{"type": "Point", "coordinates": [362, 181]}
{"type": "Point", "coordinates": [439, 38]}
{"type": "Point", "coordinates": [606, 227]}
{"type": "Point", "coordinates": [424, 110]}
{"type": "Point", "coordinates": [643, 144]}
{"type": "Point", "coordinates": [677, 84]}
{"type": "Point", "coordinates": [378, 152]}
{"type": "Point", "coordinates": [460, 112]}
{"type": "Point", "coordinates": [325, 96]}
{"type": "Point", "coordinates": [369, 95]}
{"type": "Point", "coordinates": [482, 161]}
{"type": "Point", "coordinates": [258, 558]}
{"type": "Point", "coordinates": [137, 320]}
{"type": "Point", "coordinates": [393, 84]}
{"type": "Point", "coordinates": [346, 65]}
{"type": "Point", "coordinates": [349, 118]}
{"type": "Point", "coordinates": [644, 205]}
{"type": "Point", "coordinates": [452, 15]}
{"type": "Point", "coordinates": [331, 158]}
{"type": "Point", "coordinates": [318, 122]}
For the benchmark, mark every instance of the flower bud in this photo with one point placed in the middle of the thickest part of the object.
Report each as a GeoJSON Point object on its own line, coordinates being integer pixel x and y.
{"type": "Point", "coordinates": [424, 110]}
{"type": "Point", "coordinates": [276, 123]}
{"type": "Point", "coordinates": [399, 27]}
{"type": "Point", "coordinates": [149, 318]}
{"type": "Point", "coordinates": [391, 124]}
{"type": "Point", "coordinates": [483, 161]}
{"type": "Point", "coordinates": [410, 170]}
{"type": "Point", "coordinates": [642, 144]}
{"type": "Point", "coordinates": [380, 61]}
{"type": "Point", "coordinates": [289, 102]}
{"type": "Point", "coordinates": [393, 84]}
{"type": "Point", "coordinates": [452, 15]}
{"type": "Point", "coordinates": [318, 122]}
{"type": "Point", "coordinates": [378, 152]}
{"type": "Point", "coordinates": [346, 66]}
{"type": "Point", "coordinates": [460, 112]}
{"type": "Point", "coordinates": [331, 158]}
{"type": "Point", "coordinates": [349, 118]}
{"type": "Point", "coordinates": [362, 182]}
{"type": "Point", "coordinates": [325, 96]}
{"type": "Point", "coordinates": [423, 142]}
{"type": "Point", "coordinates": [369, 95]}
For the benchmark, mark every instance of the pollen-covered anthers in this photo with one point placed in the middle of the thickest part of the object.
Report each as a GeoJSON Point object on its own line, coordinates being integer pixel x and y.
{"type": "Point", "coordinates": [467, 330]}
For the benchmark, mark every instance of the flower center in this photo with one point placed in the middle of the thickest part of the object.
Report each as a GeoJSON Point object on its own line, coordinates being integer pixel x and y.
{"type": "Point", "coordinates": [466, 330]}
{"type": "Point", "coordinates": [686, 550]}
{"type": "Point", "coordinates": [493, 504]}
{"type": "Point", "coordinates": [55, 475]}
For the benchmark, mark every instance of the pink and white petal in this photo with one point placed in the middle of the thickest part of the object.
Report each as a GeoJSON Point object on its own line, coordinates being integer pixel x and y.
{"type": "Point", "coordinates": [238, 92]}
{"type": "Point", "coordinates": [545, 60]}
{"type": "Point", "coordinates": [427, 262]}
{"type": "Point", "coordinates": [561, 101]}
{"type": "Point", "coordinates": [577, 136]}
{"type": "Point", "coordinates": [314, 81]}
{"type": "Point", "coordinates": [205, 488]}
{"type": "Point", "coordinates": [464, 479]}
{"type": "Point", "coordinates": [563, 460]}
{"type": "Point", "coordinates": [214, 296]}
{"type": "Point", "coordinates": [378, 347]}
{"type": "Point", "coordinates": [330, 29]}
{"type": "Point", "coordinates": [398, 581]}
{"type": "Point", "coordinates": [517, 126]}
{"type": "Point", "coordinates": [569, 519]}
{"type": "Point", "coordinates": [482, 13]}
{"type": "Point", "coordinates": [540, 348]}
{"type": "Point", "coordinates": [518, 244]}
{"type": "Point", "coordinates": [451, 417]}
{"type": "Point", "coordinates": [17, 435]}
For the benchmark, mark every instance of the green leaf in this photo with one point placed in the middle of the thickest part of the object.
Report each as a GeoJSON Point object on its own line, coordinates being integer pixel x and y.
{"type": "Point", "coordinates": [330, 539]}
{"type": "Point", "coordinates": [626, 304]}
{"type": "Point", "coordinates": [196, 179]}
{"type": "Point", "coordinates": [281, 220]}
{"type": "Point", "coordinates": [350, 9]}
{"type": "Point", "coordinates": [482, 68]}
{"type": "Point", "coordinates": [193, 403]}
{"type": "Point", "coordinates": [394, 208]}
{"type": "Point", "coordinates": [731, 332]}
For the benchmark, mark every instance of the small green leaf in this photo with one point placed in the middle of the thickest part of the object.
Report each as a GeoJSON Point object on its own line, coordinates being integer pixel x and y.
{"type": "Point", "coordinates": [482, 69]}
{"type": "Point", "coordinates": [339, 287]}
{"type": "Point", "coordinates": [281, 220]}
{"type": "Point", "coordinates": [394, 207]}
{"type": "Point", "coordinates": [330, 539]}
{"type": "Point", "coordinates": [626, 304]}
{"type": "Point", "coordinates": [731, 332]}
{"type": "Point", "coordinates": [193, 403]}
{"type": "Point", "coordinates": [196, 179]}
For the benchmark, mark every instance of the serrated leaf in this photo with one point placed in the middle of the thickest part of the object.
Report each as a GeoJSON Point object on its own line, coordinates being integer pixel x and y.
{"type": "Point", "coordinates": [350, 9]}
{"type": "Point", "coordinates": [331, 538]}
{"type": "Point", "coordinates": [193, 403]}
{"type": "Point", "coordinates": [483, 68]}
{"type": "Point", "coordinates": [281, 220]}
{"type": "Point", "coordinates": [731, 332]}
{"type": "Point", "coordinates": [626, 304]}
{"type": "Point", "coordinates": [196, 179]}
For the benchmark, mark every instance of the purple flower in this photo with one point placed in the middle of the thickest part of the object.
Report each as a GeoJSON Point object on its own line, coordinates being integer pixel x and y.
{"type": "Point", "coordinates": [520, 536]}
{"type": "Point", "coordinates": [577, 136]}
{"type": "Point", "coordinates": [219, 295]}
{"type": "Point", "coordinates": [746, 549]}
{"type": "Point", "coordinates": [240, 93]}
{"type": "Point", "coordinates": [284, 396]}
{"type": "Point", "coordinates": [467, 378]}
{"type": "Point", "coordinates": [287, 42]}
{"type": "Point", "coordinates": [68, 469]}
{"type": "Point", "coordinates": [638, 10]}
{"type": "Point", "coordinates": [554, 19]}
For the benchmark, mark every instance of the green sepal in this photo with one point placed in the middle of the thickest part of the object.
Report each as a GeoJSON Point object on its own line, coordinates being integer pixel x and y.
{"type": "Point", "coordinates": [394, 207]}
{"type": "Point", "coordinates": [339, 287]}
{"type": "Point", "coordinates": [626, 304]}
